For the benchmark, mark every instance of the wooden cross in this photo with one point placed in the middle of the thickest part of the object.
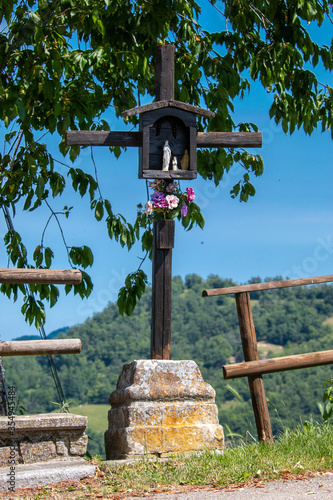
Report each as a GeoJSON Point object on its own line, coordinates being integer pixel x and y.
{"type": "Point", "coordinates": [163, 232]}
{"type": "Point", "coordinates": [38, 347]}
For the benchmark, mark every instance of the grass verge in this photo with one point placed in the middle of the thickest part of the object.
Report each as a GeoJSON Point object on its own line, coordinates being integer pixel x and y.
{"type": "Point", "coordinates": [307, 449]}
{"type": "Point", "coordinates": [293, 454]}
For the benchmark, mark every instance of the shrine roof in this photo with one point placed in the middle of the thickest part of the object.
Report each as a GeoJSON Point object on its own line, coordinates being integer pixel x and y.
{"type": "Point", "coordinates": [169, 103]}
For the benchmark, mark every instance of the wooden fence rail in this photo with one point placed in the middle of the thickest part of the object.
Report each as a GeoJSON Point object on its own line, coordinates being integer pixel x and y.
{"type": "Point", "coordinates": [253, 367]}
{"type": "Point", "coordinates": [274, 365]}
{"type": "Point", "coordinates": [40, 347]}
{"type": "Point", "coordinates": [269, 285]}
{"type": "Point", "coordinates": [41, 276]}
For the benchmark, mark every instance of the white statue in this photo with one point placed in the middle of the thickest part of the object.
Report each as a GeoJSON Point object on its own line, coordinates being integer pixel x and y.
{"type": "Point", "coordinates": [166, 156]}
{"type": "Point", "coordinates": [174, 163]}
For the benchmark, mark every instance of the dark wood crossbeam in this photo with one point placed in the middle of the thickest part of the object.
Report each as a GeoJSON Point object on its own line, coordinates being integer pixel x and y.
{"type": "Point", "coordinates": [229, 140]}
{"type": "Point", "coordinates": [134, 139]}
{"type": "Point", "coordinates": [99, 138]}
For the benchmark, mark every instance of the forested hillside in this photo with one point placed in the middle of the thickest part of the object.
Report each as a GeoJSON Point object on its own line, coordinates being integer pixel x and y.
{"type": "Point", "coordinates": [205, 330]}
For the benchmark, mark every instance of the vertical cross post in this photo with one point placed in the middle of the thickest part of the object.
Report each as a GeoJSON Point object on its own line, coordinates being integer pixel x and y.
{"type": "Point", "coordinates": [163, 242]}
{"type": "Point", "coordinates": [163, 231]}
{"type": "Point", "coordinates": [256, 383]}
{"type": "Point", "coordinates": [165, 72]}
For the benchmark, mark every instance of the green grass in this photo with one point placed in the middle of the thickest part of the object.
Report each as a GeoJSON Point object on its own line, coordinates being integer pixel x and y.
{"type": "Point", "coordinates": [97, 415]}
{"type": "Point", "coordinates": [307, 449]}
{"type": "Point", "coordinates": [97, 425]}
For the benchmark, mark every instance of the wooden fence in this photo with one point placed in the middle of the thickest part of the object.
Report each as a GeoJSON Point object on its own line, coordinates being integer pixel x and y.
{"type": "Point", "coordinates": [40, 347]}
{"type": "Point", "coordinates": [253, 367]}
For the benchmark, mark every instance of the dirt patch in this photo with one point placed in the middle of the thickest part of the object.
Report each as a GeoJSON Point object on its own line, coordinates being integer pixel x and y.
{"type": "Point", "coordinates": [265, 347]}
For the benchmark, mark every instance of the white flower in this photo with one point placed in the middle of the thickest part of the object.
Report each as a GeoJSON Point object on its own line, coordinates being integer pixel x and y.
{"type": "Point", "coordinates": [148, 208]}
{"type": "Point", "coordinates": [171, 187]}
{"type": "Point", "coordinates": [172, 201]}
{"type": "Point", "coordinates": [154, 184]}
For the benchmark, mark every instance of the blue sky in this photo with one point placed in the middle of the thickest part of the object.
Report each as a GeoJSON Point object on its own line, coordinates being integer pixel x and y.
{"type": "Point", "coordinates": [285, 230]}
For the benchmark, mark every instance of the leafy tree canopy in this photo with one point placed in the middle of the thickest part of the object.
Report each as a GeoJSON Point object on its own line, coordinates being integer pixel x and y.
{"type": "Point", "coordinates": [65, 62]}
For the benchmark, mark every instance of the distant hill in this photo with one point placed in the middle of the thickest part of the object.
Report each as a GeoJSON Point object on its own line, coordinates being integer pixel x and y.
{"type": "Point", "coordinates": [51, 335]}
{"type": "Point", "coordinates": [205, 330]}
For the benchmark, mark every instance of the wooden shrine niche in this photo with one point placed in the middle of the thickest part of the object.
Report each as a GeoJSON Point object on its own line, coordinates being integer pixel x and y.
{"type": "Point", "coordinates": [169, 139]}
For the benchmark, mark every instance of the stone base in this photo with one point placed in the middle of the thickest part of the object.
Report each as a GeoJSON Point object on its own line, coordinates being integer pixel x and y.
{"type": "Point", "coordinates": [28, 439]}
{"type": "Point", "coordinates": [161, 408]}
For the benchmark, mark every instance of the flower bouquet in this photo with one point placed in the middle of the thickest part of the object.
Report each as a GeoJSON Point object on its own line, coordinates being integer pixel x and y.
{"type": "Point", "coordinates": [168, 202]}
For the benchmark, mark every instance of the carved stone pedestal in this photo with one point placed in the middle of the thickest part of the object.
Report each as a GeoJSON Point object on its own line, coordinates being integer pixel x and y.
{"type": "Point", "coordinates": [49, 437]}
{"type": "Point", "coordinates": [161, 407]}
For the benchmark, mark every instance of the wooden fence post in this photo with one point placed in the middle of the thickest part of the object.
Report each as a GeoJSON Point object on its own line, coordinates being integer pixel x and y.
{"type": "Point", "coordinates": [256, 383]}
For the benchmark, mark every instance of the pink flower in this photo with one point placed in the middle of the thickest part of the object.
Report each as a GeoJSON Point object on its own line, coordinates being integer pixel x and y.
{"type": "Point", "coordinates": [172, 201]}
{"type": "Point", "coordinates": [190, 194]}
{"type": "Point", "coordinates": [162, 203]}
{"type": "Point", "coordinates": [158, 200]}
{"type": "Point", "coordinates": [183, 210]}
{"type": "Point", "coordinates": [148, 208]}
{"type": "Point", "coordinates": [171, 187]}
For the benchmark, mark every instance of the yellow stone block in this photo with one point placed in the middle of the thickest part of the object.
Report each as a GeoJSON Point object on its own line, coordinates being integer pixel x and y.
{"type": "Point", "coordinates": [160, 408]}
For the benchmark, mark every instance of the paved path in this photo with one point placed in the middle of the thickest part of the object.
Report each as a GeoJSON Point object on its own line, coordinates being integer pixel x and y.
{"type": "Point", "coordinates": [319, 487]}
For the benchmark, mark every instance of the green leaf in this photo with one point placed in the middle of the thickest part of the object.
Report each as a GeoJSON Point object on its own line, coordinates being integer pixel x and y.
{"type": "Point", "coordinates": [54, 295]}
{"type": "Point", "coordinates": [48, 257]}
{"type": "Point", "coordinates": [21, 110]}
{"type": "Point", "coordinates": [135, 285]}
{"type": "Point", "coordinates": [40, 187]}
{"type": "Point", "coordinates": [99, 210]}
{"type": "Point", "coordinates": [27, 202]}
{"type": "Point", "coordinates": [38, 256]}
{"type": "Point", "coordinates": [108, 208]}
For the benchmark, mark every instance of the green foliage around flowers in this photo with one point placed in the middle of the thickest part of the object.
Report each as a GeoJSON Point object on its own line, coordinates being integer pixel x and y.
{"type": "Point", "coordinates": [169, 202]}
{"type": "Point", "coordinates": [166, 202]}
{"type": "Point", "coordinates": [205, 330]}
{"type": "Point", "coordinates": [65, 62]}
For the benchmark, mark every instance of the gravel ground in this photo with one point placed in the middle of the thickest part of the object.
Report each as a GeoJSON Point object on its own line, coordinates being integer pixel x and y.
{"type": "Point", "coordinates": [312, 485]}
{"type": "Point", "coordinates": [316, 488]}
